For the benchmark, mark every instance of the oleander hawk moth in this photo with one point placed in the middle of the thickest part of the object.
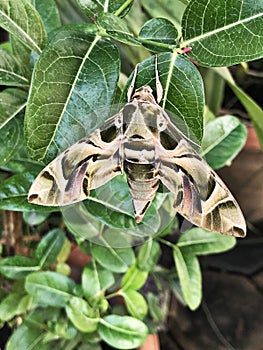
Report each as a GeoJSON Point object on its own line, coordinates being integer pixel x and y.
{"type": "Point", "coordinates": [142, 142]}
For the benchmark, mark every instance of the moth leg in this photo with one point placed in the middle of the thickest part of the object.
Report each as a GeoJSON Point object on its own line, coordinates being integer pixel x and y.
{"type": "Point", "coordinates": [132, 85]}
{"type": "Point", "coordinates": [159, 87]}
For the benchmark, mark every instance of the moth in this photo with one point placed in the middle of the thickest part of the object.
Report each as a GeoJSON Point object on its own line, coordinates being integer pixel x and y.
{"type": "Point", "coordinates": [142, 142]}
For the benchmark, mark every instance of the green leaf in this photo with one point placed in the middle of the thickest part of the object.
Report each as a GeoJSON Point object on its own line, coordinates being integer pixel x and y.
{"type": "Point", "coordinates": [134, 278]}
{"type": "Point", "coordinates": [11, 73]}
{"type": "Point", "coordinates": [183, 94]}
{"type": "Point", "coordinates": [50, 288]}
{"type": "Point", "coordinates": [157, 34]}
{"type": "Point", "coordinates": [135, 303]}
{"type": "Point", "coordinates": [18, 267]}
{"type": "Point", "coordinates": [171, 9]}
{"type": "Point", "coordinates": [13, 194]}
{"type": "Point", "coordinates": [223, 32]}
{"type": "Point", "coordinates": [14, 304]}
{"type": "Point", "coordinates": [95, 280]}
{"type": "Point", "coordinates": [92, 8]}
{"type": "Point", "coordinates": [63, 268]}
{"type": "Point", "coordinates": [64, 251]}
{"type": "Point", "coordinates": [116, 28]}
{"type": "Point", "coordinates": [49, 247]}
{"type": "Point", "coordinates": [12, 103]}
{"type": "Point", "coordinates": [82, 315]}
{"type": "Point", "coordinates": [113, 259]}
{"type": "Point", "coordinates": [21, 163]}
{"type": "Point", "coordinates": [254, 110]}
{"type": "Point", "coordinates": [112, 205]}
{"type": "Point", "coordinates": [223, 139]}
{"type": "Point", "coordinates": [122, 332]}
{"type": "Point", "coordinates": [189, 273]}
{"type": "Point", "coordinates": [8, 306]}
{"type": "Point", "coordinates": [25, 337]}
{"type": "Point", "coordinates": [148, 256]}
{"type": "Point", "coordinates": [22, 54]}
{"type": "Point", "coordinates": [49, 13]}
{"type": "Point", "coordinates": [34, 218]}
{"type": "Point", "coordinates": [75, 76]}
{"type": "Point", "coordinates": [200, 242]}
{"type": "Point", "coordinates": [22, 20]}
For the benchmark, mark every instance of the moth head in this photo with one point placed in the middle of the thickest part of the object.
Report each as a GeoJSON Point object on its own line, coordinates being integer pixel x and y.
{"type": "Point", "coordinates": [144, 93]}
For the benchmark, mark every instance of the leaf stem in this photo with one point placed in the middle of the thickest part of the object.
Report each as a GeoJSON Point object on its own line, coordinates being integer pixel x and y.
{"type": "Point", "coordinates": [123, 7]}
{"type": "Point", "coordinates": [156, 43]}
{"type": "Point", "coordinates": [114, 294]}
{"type": "Point", "coordinates": [169, 244]}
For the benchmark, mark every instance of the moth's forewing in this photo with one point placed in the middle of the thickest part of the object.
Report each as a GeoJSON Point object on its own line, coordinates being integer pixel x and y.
{"type": "Point", "coordinates": [201, 196]}
{"type": "Point", "coordinates": [89, 163]}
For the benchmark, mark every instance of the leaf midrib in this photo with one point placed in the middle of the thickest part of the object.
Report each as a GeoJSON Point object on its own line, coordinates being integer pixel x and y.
{"type": "Point", "coordinates": [21, 30]}
{"type": "Point", "coordinates": [218, 30]}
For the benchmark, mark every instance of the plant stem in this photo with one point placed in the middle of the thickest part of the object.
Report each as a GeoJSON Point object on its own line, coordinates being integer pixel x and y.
{"type": "Point", "coordinates": [169, 244]}
{"type": "Point", "coordinates": [123, 7]}
{"type": "Point", "coordinates": [156, 43]}
{"type": "Point", "coordinates": [113, 295]}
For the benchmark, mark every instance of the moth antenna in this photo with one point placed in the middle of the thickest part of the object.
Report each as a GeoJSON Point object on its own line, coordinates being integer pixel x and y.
{"type": "Point", "coordinates": [159, 88]}
{"type": "Point", "coordinates": [132, 85]}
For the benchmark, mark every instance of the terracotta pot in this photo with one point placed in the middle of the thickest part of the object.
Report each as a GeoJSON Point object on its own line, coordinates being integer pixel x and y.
{"type": "Point", "coordinates": [77, 261]}
{"type": "Point", "coordinates": [152, 343]}
{"type": "Point", "coordinates": [244, 179]}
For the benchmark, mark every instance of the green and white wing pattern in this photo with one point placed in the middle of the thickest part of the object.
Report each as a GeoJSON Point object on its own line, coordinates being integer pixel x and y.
{"type": "Point", "coordinates": [201, 196]}
{"type": "Point", "coordinates": [88, 164]}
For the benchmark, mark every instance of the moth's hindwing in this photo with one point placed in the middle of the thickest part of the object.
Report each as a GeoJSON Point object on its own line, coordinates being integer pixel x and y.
{"type": "Point", "coordinates": [88, 164]}
{"type": "Point", "coordinates": [201, 196]}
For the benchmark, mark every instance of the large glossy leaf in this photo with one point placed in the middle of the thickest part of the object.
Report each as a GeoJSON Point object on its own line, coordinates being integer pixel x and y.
{"type": "Point", "coordinates": [22, 20]}
{"type": "Point", "coordinates": [109, 216]}
{"type": "Point", "coordinates": [18, 267]}
{"type": "Point", "coordinates": [11, 73]}
{"type": "Point", "coordinates": [200, 242]}
{"type": "Point", "coordinates": [183, 93]}
{"type": "Point", "coordinates": [92, 8]}
{"type": "Point", "coordinates": [50, 288]}
{"type": "Point", "coordinates": [223, 32]}
{"type": "Point", "coordinates": [223, 139]}
{"type": "Point", "coordinates": [76, 74]}
{"type": "Point", "coordinates": [254, 110]}
{"type": "Point", "coordinates": [49, 247]}
{"type": "Point", "coordinates": [122, 332]}
{"type": "Point", "coordinates": [189, 273]}
{"type": "Point", "coordinates": [49, 13]}
{"type": "Point", "coordinates": [12, 103]}
{"type": "Point", "coordinates": [113, 205]}
{"type": "Point", "coordinates": [158, 34]}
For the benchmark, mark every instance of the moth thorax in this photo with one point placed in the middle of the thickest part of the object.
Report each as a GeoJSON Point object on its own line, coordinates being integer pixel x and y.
{"type": "Point", "coordinates": [144, 93]}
